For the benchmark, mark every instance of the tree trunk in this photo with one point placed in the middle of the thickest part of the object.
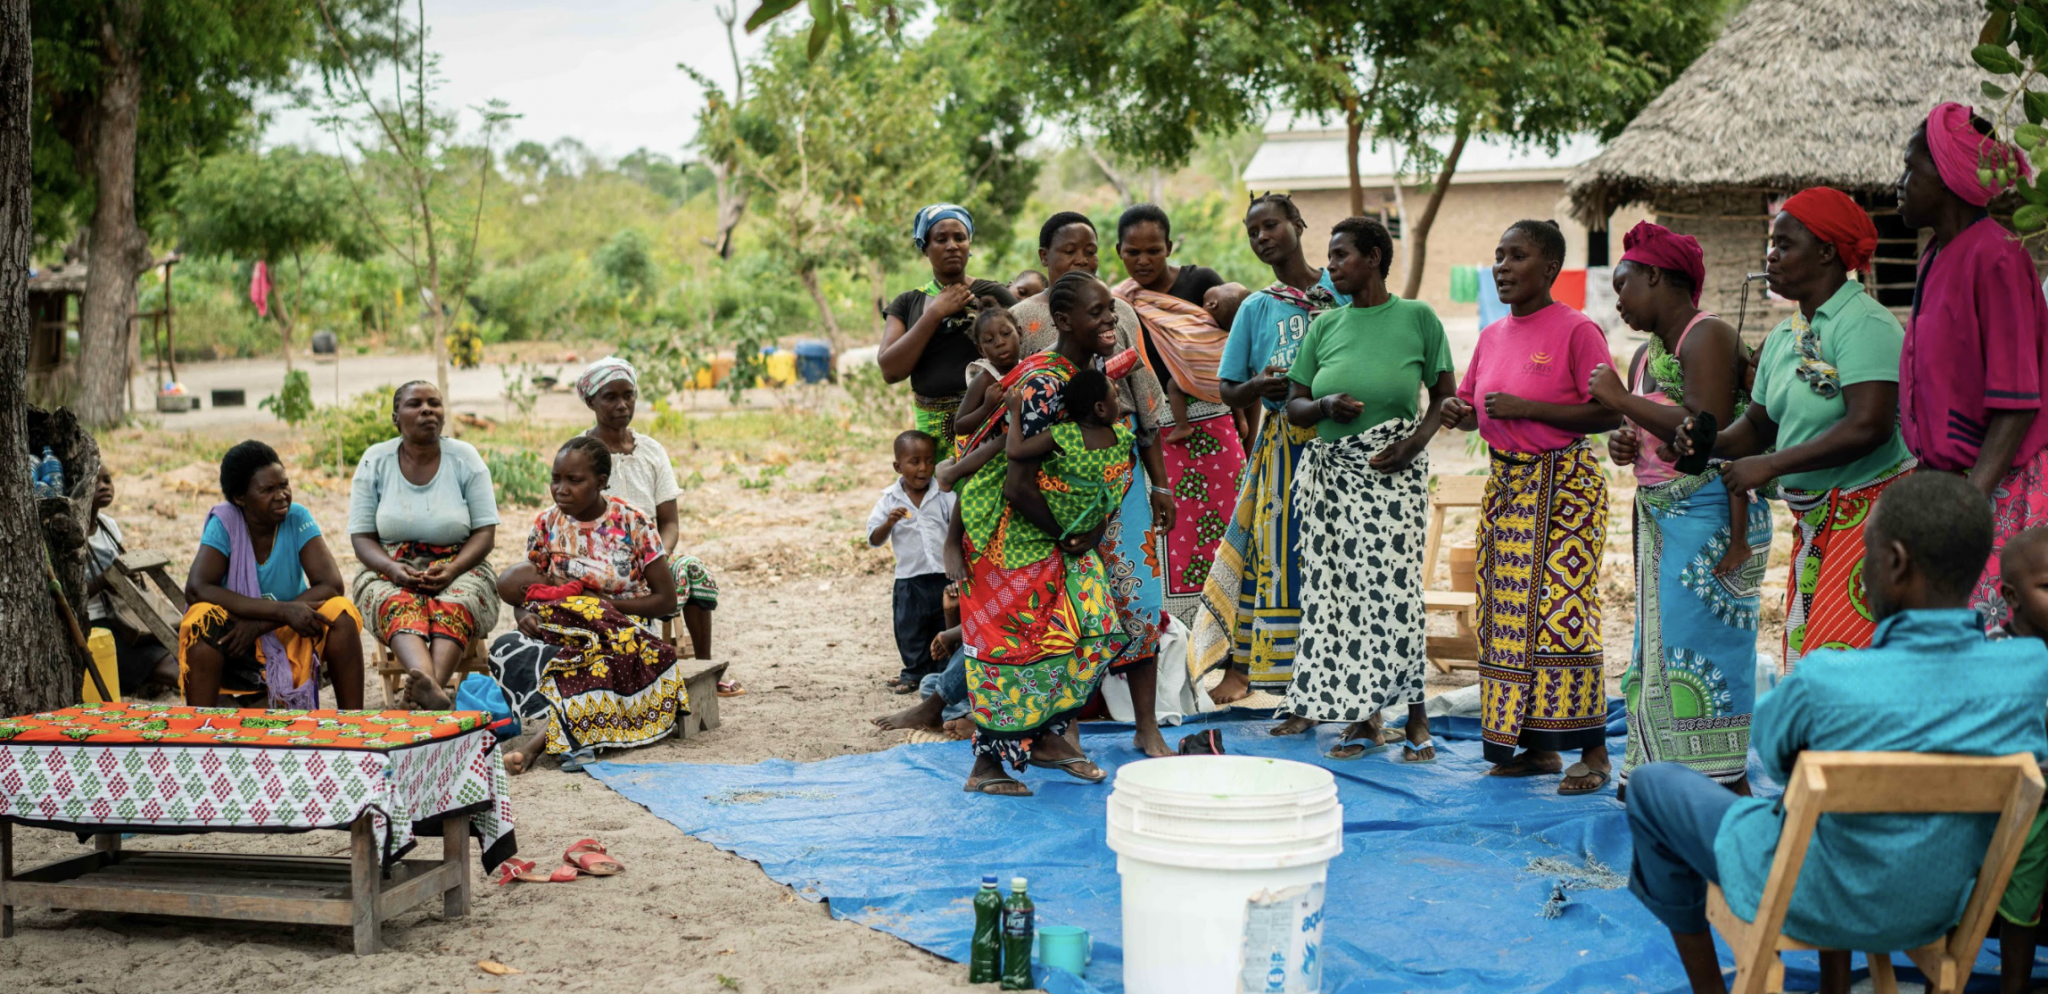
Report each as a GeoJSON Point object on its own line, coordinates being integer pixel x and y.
{"type": "Point", "coordinates": [879, 280]}
{"type": "Point", "coordinates": [37, 672]}
{"type": "Point", "coordinates": [1354, 126]}
{"type": "Point", "coordinates": [1401, 257]}
{"type": "Point", "coordinates": [1418, 249]}
{"type": "Point", "coordinates": [810, 281]}
{"type": "Point", "coordinates": [119, 250]}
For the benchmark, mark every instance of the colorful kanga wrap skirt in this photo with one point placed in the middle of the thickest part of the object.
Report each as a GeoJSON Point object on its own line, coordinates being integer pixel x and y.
{"type": "Point", "coordinates": [2020, 502]}
{"type": "Point", "coordinates": [464, 608]}
{"type": "Point", "coordinates": [1039, 627]}
{"type": "Point", "coordinates": [594, 679]}
{"type": "Point", "coordinates": [694, 583]}
{"type": "Point", "coordinates": [934, 416]}
{"type": "Point", "coordinates": [1203, 472]}
{"type": "Point", "coordinates": [1251, 605]}
{"type": "Point", "coordinates": [1825, 605]}
{"type": "Point", "coordinates": [1364, 633]}
{"type": "Point", "coordinates": [211, 624]}
{"type": "Point", "coordinates": [1130, 554]}
{"type": "Point", "coordinates": [1542, 530]}
{"type": "Point", "coordinates": [1691, 682]}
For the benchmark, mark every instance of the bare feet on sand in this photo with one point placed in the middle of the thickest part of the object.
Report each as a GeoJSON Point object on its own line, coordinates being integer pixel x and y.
{"type": "Point", "coordinates": [520, 755]}
{"type": "Point", "coordinates": [1235, 687]}
{"type": "Point", "coordinates": [424, 694]}
{"type": "Point", "coordinates": [923, 714]}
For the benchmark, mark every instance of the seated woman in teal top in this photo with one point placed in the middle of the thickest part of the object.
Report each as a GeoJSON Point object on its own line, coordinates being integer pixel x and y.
{"type": "Point", "coordinates": [1929, 682]}
{"type": "Point", "coordinates": [267, 613]}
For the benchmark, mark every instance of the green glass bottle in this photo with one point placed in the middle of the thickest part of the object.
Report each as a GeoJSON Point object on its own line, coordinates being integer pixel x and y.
{"type": "Point", "coordinates": [985, 956]}
{"type": "Point", "coordinates": [1017, 937]}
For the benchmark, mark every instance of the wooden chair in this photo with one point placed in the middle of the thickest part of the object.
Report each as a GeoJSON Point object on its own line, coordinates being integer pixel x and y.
{"type": "Point", "coordinates": [1886, 783]}
{"type": "Point", "coordinates": [125, 582]}
{"type": "Point", "coordinates": [1460, 651]}
{"type": "Point", "coordinates": [393, 672]}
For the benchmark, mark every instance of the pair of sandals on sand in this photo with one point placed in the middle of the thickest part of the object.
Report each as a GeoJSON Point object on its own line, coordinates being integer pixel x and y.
{"type": "Point", "coordinates": [585, 856]}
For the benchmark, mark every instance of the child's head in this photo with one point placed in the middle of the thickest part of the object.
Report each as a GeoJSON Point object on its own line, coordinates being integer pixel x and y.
{"type": "Point", "coordinates": [1029, 283]}
{"type": "Point", "coordinates": [1222, 302]}
{"type": "Point", "coordinates": [2023, 581]}
{"type": "Point", "coordinates": [997, 336]}
{"type": "Point", "coordinates": [1088, 398]}
{"type": "Point", "coordinates": [916, 454]}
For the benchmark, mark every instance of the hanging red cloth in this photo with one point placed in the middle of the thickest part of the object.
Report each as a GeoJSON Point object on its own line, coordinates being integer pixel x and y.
{"type": "Point", "coordinates": [259, 289]}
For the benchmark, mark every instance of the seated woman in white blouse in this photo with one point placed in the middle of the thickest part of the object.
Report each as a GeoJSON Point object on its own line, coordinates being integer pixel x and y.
{"type": "Point", "coordinates": [643, 477]}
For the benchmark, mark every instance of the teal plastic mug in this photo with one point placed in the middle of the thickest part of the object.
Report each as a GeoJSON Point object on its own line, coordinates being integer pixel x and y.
{"type": "Point", "coordinates": [1067, 947]}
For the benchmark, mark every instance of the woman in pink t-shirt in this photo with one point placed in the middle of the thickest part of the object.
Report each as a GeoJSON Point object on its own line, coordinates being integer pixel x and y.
{"type": "Point", "coordinates": [1543, 526]}
{"type": "Point", "coordinates": [1970, 370]}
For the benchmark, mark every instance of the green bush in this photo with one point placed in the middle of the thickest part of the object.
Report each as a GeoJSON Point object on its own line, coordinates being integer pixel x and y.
{"type": "Point", "coordinates": [293, 402]}
{"type": "Point", "coordinates": [521, 477]}
{"type": "Point", "coordinates": [345, 431]}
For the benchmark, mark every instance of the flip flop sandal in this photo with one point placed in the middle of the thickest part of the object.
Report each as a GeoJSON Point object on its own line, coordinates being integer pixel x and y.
{"type": "Point", "coordinates": [730, 688]}
{"type": "Point", "coordinates": [903, 688]}
{"type": "Point", "coordinates": [525, 872]}
{"type": "Point", "coordinates": [1409, 750]}
{"type": "Point", "coordinates": [1342, 754]}
{"type": "Point", "coordinates": [1582, 770]}
{"type": "Point", "coordinates": [1066, 766]}
{"type": "Point", "coordinates": [589, 856]}
{"type": "Point", "coordinates": [982, 787]}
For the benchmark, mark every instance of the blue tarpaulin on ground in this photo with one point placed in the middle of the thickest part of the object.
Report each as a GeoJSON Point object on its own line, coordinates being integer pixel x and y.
{"type": "Point", "coordinates": [1449, 880]}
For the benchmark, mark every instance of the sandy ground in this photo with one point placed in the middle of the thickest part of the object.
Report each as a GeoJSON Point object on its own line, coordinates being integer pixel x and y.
{"type": "Point", "coordinates": [803, 618]}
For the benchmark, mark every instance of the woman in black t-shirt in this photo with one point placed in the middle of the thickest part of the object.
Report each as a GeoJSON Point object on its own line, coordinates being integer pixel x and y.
{"type": "Point", "coordinates": [928, 334]}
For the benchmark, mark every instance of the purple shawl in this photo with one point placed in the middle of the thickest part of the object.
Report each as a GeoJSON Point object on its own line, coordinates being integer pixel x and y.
{"type": "Point", "coordinates": [242, 579]}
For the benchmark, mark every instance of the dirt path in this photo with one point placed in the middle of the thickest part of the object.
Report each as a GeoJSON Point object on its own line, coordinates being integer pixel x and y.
{"type": "Point", "coordinates": [804, 618]}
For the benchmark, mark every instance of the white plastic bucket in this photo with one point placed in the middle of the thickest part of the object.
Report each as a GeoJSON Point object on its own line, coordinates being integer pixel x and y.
{"type": "Point", "coordinates": [1223, 860]}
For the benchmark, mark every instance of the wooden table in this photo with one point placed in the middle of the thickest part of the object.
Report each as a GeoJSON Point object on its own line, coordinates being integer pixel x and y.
{"type": "Point", "coordinates": [384, 777]}
{"type": "Point", "coordinates": [352, 890]}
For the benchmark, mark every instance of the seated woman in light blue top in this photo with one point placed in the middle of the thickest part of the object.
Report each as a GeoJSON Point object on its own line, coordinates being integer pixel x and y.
{"type": "Point", "coordinates": [1929, 682]}
{"type": "Point", "coordinates": [422, 518]}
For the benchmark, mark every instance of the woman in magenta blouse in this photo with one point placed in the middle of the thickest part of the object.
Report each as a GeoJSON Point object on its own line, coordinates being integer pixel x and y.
{"type": "Point", "coordinates": [1543, 524]}
{"type": "Point", "coordinates": [1970, 371]}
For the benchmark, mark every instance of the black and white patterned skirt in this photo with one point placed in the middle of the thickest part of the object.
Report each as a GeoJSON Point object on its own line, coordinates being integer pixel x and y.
{"type": "Point", "coordinates": [1363, 629]}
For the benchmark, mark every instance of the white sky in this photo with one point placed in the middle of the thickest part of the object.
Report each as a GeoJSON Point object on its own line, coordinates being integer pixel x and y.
{"type": "Point", "coordinates": [600, 71]}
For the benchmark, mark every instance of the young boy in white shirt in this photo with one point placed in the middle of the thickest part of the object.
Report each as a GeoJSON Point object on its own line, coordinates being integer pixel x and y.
{"type": "Point", "coordinates": [912, 516]}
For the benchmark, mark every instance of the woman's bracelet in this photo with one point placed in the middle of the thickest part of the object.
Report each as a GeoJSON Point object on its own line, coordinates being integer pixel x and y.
{"type": "Point", "coordinates": [1166, 491]}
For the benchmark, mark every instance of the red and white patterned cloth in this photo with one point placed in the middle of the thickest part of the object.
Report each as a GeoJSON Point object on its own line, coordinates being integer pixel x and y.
{"type": "Point", "coordinates": [160, 769]}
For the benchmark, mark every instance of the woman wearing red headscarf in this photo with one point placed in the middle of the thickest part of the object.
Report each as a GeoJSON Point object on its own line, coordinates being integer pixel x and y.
{"type": "Point", "coordinates": [1970, 375]}
{"type": "Point", "coordinates": [1823, 415]}
{"type": "Point", "coordinates": [1700, 551]}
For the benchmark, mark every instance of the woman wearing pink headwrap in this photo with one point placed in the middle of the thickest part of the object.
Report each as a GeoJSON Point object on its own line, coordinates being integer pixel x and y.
{"type": "Point", "coordinates": [1970, 374]}
{"type": "Point", "coordinates": [1700, 549]}
{"type": "Point", "coordinates": [1823, 413]}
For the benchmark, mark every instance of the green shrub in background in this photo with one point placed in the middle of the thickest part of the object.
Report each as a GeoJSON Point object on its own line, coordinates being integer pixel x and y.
{"type": "Point", "coordinates": [292, 403]}
{"type": "Point", "coordinates": [344, 431]}
{"type": "Point", "coordinates": [521, 477]}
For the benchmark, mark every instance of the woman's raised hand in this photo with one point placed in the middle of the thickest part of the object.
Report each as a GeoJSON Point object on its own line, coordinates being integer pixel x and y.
{"type": "Point", "coordinates": [1456, 412]}
{"type": "Point", "coordinates": [1605, 385]}
{"type": "Point", "coordinates": [952, 300]}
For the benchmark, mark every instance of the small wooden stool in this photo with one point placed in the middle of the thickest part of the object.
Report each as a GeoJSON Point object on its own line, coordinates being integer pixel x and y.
{"type": "Point", "coordinates": [1460, 651]}
{"type": "Point", "coordinates": [125, 581]}
{"type": "Point", "coordinates": [393, 673]}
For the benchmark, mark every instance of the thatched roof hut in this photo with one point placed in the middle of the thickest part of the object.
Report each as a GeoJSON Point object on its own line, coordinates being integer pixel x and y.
{"type": "Point", "coordinates": [1796, 93]}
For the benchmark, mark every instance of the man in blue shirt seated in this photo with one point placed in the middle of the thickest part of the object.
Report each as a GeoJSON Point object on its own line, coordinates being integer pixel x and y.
{"type": "Point", "coordinates": [1930, 682]}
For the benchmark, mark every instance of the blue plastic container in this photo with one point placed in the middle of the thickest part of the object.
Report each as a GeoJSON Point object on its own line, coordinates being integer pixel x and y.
{"type": "Point", "coordinates": [813, 361]}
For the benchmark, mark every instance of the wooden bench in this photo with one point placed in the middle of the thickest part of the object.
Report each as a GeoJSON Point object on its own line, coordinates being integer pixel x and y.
{"type": "Point", "coordinates": [1886, 783]}
{"type": "Point", "coordinates": [125, 582]}
{"type": "Point", "coordinates": [352, 890]}
{"type": "Point", "coordinates": [1459, 651]}
{"type": "Point", "coordinates": [700, 678]}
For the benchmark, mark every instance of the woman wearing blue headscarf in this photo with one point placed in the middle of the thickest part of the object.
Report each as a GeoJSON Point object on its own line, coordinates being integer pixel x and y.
{"type": "Point", "coordinates": [928, 337]}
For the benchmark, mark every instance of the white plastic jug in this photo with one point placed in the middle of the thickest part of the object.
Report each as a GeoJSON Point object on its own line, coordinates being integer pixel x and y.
{"type": "Point", "coordinates": [1224, 860]}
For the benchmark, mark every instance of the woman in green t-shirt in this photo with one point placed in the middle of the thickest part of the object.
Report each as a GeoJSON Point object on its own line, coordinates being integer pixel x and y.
{"type": "Point", "coordinates": [1361, 494]}
{"type": "Point", "coordinates": [1823, 415]}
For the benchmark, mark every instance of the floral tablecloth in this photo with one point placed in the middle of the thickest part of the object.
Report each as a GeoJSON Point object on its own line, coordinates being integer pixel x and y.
{"type": "Point", "coordinates": [158, 768]}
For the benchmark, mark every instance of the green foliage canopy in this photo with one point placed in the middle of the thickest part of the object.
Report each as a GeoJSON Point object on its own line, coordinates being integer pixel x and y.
{"type": "Point", "coordinates": [271, 205]}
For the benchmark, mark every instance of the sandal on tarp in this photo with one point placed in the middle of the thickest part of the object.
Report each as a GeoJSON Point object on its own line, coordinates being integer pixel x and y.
{"type": "Point", "coordinates": [982, 786]}
{"type": "Point", "coordinates": [589, 856]}
{"type": "Point", "coordinates": [1413, 749]}
{"type": "Point", "coordinates": [1582, 770]}
{"type": "Point", "coordinates": [1066, 766]}
{"type": "Point", "coordinates": [525, 872]}
{"type": "Point", "coordinates": [1365, 747]}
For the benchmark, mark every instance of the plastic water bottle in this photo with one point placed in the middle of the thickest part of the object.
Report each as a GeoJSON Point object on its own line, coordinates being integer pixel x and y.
{"type": "Point", "coordinates": [985, 955]}
{"type": "Point", "coordinates": [49, 475]}
{"type": "Point", "coordinates": [1017, 937]}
